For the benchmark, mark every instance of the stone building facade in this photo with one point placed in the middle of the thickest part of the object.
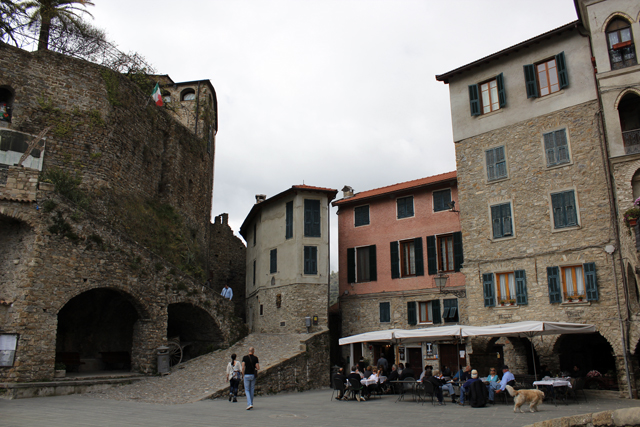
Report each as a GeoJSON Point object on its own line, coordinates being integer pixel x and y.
{"type": "Point", "coordinates": [393, 241]}
{"type": "Point", "coordinates": [287, 270]}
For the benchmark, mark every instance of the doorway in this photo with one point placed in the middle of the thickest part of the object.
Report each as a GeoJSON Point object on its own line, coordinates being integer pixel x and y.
{"type": "Point", "coordinates": [450, 356]}
{"type": "Point", "coordinates": [414, 358]}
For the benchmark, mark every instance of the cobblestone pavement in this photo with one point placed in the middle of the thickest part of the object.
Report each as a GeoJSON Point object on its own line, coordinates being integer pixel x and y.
{"type": "Point", "coordinates": [201, 377]}
{"type": "Point", "coordinates": [311, 408]}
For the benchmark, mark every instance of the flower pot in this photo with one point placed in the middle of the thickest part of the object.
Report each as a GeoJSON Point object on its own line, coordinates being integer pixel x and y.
{"type": "Point", "coordinates": [633, 222]}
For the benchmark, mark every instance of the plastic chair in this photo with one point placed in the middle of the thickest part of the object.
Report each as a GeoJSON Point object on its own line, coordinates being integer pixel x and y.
{"type": "Point", "coordinates": [355, 387]}
{"type": "Point", "coordinates": [338, 386]}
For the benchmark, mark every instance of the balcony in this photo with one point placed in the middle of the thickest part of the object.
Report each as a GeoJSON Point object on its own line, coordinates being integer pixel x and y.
{"type": "Point", "coordinates": [631, 140]}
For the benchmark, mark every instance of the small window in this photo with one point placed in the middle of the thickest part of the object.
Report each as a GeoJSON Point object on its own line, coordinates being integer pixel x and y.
{"type": "Point", "coordinates": [441, 200]}
{"type": "Point", "coordinates": [6, 103]}
{"type": "Point", "coordinates": [548, 81]}
{"type": "Point", "coordinates": [255, 233]}
{"type": "Point", "coordinates": [289, 221]}
{"type": "Point", "coordinates": [361, 214]}
{"type": "Point", "coordinates": [501, 220]}
{"type": "Point", "coordinates": [405, 207]}
{"type": "Point", "coordinates": [261, 309]}
{"type": "Point", "coordinates": [254, 272]}
{"type": "Point", "coordinates": [425, 312]}
{"type": "Point", "coordinates": [361, 264]}
{"type": "Point", "coordinates": [188, 95]}
{"type": "Point", "coordinates": [573, 283]}
{"type": "Point", "coordinates": [546, 77]}
{"type": "Point", "coordinates": [445, 253]}
{"type": "Point", "coordinates": [407, 258]}
{"type": "Point", "coordinates": [273, 264]}
{"type": "Point", "coordinates": [278, 300]}
{"type": "Point", "coordinates": [450, 310]}
{"type": "Point", "coordinates": [310, 260]}
{"type": "Point", "coordinates": [622, 51]}
{"type": "Point", "coordinates": [564, 209]}
{"type": "Point", "coordinates": [487, 96]}
{"type": "Point", "coordinates": [556, 147]}
{"type": "Point", "coordinates": [385, 312]}
{"type": "Point", "coordinates": [506, 288]}
{"type": "Point", "coordinates": [496, 163]}
{"type": "Point", "coordinates": [311, 218]}
{"type": "Point", "coordinates": [509, 288]}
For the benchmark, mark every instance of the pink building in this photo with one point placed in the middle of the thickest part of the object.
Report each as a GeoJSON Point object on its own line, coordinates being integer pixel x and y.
{"type": "Point", "coordinates": [393, 241]}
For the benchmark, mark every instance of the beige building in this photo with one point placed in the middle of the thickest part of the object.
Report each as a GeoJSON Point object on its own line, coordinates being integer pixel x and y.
{"type": "Point", "coordinates": [287, 270]}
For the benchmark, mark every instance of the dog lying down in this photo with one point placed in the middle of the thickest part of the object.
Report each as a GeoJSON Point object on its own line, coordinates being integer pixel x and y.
{"type": "Point", "coordinates": [520, 397]}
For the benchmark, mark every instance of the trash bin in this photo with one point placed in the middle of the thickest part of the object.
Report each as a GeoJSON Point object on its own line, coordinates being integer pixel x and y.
{"type": "Point", "coordinates": [163, 359]}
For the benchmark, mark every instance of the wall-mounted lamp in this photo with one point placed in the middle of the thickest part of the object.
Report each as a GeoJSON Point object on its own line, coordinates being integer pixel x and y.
{"type": "Point", "coordinates": [441, 284]}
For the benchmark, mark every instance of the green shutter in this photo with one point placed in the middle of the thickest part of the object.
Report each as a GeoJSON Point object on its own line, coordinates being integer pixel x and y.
{"type": "Point", "coordinates": [563, 75]}
{"type": "Point", "coordinates": [446, 305]}
{"type": "Point", "coordinates": [412, 319]}
{"type": "Point", "coordinates": [490, 156]}
{"type": "Point", "coordinates": [417, 247]}
{"type": "Point", "coordinates": [458, 255]}
{"type": "Point", "coordinates": [530, 81]}
{"type": "Point", "coordinates": [273, 267]}
{"type": "Point", "coordinates": [474, 100]}
{"type": "Point", "coordinates": [553, 279]}
{"type": "Point", "coordinates": [591, 285]}
{"type": "Point", "coordinates": [562, 148]}
{"type": "Point", "coordinates": [351, 265]}
{"type": "Point", "coordinates": [435, 311]}
{"type": "Point", "coordinates": [550, 148]}
{"type": "Point", "coordinates": [395, 260]}
{"type": "Point", "coordinates": [409, 206]}
{"type": "Point", "coordinates": [521, 287]}
{"type": "Point", "coordinates": [507, 229]}
{"type": "Point", "coordinates": [557, 204]}
{"type": "Point", "coordinates": [487, 281]}
{"type": "Point", "coordinates": [432, 260]}
{"type": "Point", "coordinates": [570, 208]}
{"type": "Point", "coordinates": [502, 95]}
{"type": "Point", "coordinates": [289, 220]}
{"type": "Point", "coordinates": [496, 221]}
{"type": "Point", "coordinates": [385, 312]}
{"type": "Point", "coordinates": [453, 308]}
{"type": "Point", "coordinates": [373, 271]}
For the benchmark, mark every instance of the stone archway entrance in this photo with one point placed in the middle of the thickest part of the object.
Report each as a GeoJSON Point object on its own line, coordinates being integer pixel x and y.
{"type": "Point", "coordinates": [196, 330]}
{"type": "Point", "coordinates": [589, 352]}
{"type": "Point", "coordinates": [95, 332]}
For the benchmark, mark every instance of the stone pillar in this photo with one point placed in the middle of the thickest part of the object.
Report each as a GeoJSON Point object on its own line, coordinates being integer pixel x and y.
{"type": "Point", "coordinates": [147, 337]}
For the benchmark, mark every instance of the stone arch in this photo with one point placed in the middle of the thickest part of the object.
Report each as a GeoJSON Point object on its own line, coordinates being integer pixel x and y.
{"type": "Point", "coordinates": [625, 92]}
{"type": "Point", "coordinates": [195, 325]}
{"type": "Point", "coordinates": [616, 15]}
{"type": "Point", "coordinates": [588, 352]}
{"type": "Point", "coordinates": [188, 94]}
{"type": "Point", "coordinates": [130, 295]}
{"type": "Point", "coordinates": [628, 107]}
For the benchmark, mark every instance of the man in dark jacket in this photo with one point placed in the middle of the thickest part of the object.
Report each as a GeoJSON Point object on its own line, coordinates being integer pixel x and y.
{"type": "Point", "coordinates": [478, 393]}
{"type": "Point", "coordinates": [407, 372]}
{"type": "Point", "coordinates": [339, 376]}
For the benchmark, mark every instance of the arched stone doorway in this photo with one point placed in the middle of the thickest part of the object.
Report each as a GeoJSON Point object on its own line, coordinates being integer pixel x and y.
{"type": "Point", "coordinates": [96, 331]}
{"type": "Point", "coordinates": [196, 329]}
{"type": "Point", "coordinates": [629, 113]}
{"type": "Point", "coordinates": [589, 352]}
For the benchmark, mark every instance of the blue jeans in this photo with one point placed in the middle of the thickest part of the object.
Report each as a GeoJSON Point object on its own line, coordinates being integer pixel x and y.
{"type": "Point", "coordinates": [463, 390]}
{"type": "Point", "coordinates": [492, 389]}
{"type": "Point", "coordinates": [233, 386]}
{"type": "Point", "coordinates": [249, 386]}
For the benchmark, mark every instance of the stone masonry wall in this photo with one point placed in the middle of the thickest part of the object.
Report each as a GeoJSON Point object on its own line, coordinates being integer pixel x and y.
{"type": "Point", "coordinates": [21, 184]}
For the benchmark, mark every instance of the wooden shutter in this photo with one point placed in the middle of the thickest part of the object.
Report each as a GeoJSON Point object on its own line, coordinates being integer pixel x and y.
{"type": "Point", "coordinates": [446, 305]}
{"type": "Point", "coordinates": [310, 260]}
{"type": "Point", "coordinates": [489, 299]}
{"type": "Point", "coordinates": [432, 256]}
{"type": "Point", "coordinates": [491, 164]}
{"type": "Point", "coordinates": [496, 221]}
{"type": "Point", "coordinates": [562, 148]}
{"type": "Point", "coordinates": [550, 148]}
{"type": "Point", "coordinates": [435, 311]}
{"type": "Point", "coordinates": [351, 265]}
{"type": "Point", "coordinates": [453, 308]}
{"type": "Point", "coordinates": [402, 208]}
{"type": "Point", "coordinates": [273, 267]}
{"type": "Point", "coordinates": [417, 247]}
{"type": "Point", "coordinates": [502, 95]}
{"type": "Point", "coordinates": [312, 218]}
{"type": "Point", "coordinates": [411, 313]}
{"type": "Point", "coordinates": [409, 206]}
{"type": "Point", "coordinates": [563, 75]}
{"type": "Point", "coordinates": [458, 255]}
{"type": "Point", "coordinates": [501, 165]}
{"type": "Point", "coordinates": [521, 287]}
{"type": "Point", "coordinates": [474, 100]}
{"type": "Point", "coordinates": [289, 220]}
{"type": "Point", "coordinates": [530, 81]}
{"type": "Point", "coordinates": [385, 312]}
{"type": "Point", "coordinates": [373, 271]}
{"type": "Point", "coordinates": [591, 285]}
{"type": "Point", "coordinates": [570, 208]}
{"type": "Point", "coordinates": [553, 279]}
{"type": "Point", "coordinates": [395, 260]}
{"type": "Point", "coordinates": [557, 204]}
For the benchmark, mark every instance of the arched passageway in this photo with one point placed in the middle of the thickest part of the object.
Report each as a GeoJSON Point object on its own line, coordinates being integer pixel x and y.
{"type": "Point", "coordinates": [95, 331]}
{"type": "Point", "coordinates": [197, 331]}
{"type": "Point", "coordinates": [588, 352]}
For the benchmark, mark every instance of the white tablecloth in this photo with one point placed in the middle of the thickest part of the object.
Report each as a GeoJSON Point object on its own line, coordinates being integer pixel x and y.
{"type": "Point", "coordinates": [553, 382]}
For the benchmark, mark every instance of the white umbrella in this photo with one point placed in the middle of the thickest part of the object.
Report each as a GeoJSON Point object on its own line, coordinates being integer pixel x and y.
{"type": "Point", "coordinates": [438, 333]}
{"type": "Point", "coordinates": [375, 336]}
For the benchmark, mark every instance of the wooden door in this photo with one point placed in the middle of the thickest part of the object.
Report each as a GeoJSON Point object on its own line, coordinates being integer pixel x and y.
{"type": "Point", "coordinates": [415, 360]}
{"type": "Point", "coordinates": [450, 356]}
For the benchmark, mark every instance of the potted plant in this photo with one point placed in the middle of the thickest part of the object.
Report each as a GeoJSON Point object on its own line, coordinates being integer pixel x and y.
{"type": "Point", "coordinates": [631, 215]}
{"type": "Point", "coordinates": [580, 297]}
{"type": "Point", "coordinates": [502, 302]}
{"type": "Point", "coordinates": [512, 302]}
{"type": "Point", "coordinates": [570, 298]}
{"type": "Point", "coordinates": [60, 370]}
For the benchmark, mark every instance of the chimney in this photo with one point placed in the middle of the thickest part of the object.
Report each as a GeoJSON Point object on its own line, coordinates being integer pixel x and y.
{"type": "Point", "coordinates": [347, 192]}
{"type": "Point", "coordinates": [225, 218]}
{"type": "Point", "coordinates": [260, 198]}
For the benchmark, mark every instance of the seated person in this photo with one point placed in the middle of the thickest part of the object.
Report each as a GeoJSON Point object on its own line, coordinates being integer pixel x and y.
{"type": "Point", "coordinates": [367, 372]}
{"type": "Point", "coordinates": [400, 368]}
{"type": "Point", "coordinates": [369, 388]}
{"type": "Point", "coordinates": [446, 372]}
{"type": "Point", "coordinates": [355, 375]}
{"type": "Point", "coordinates": [478, 393]}
{"type": "Point", "coordinates": [462, 375]}
{"type": "Point", "coordinates": [393, 376]}
{"type": "Point", "coordinates": [340, 377]}
{"type": "Point", "coordinates": [407, 372]}
{"type": "Point", "coordinates": [493, 376]}
{"type": "Point", "coordinates": [466, 387]}
{"type": "Point", "coordinates": [496, 388]}
{"type": "Point", "coordinates": [545, 372]}
{"type": "Point", "coordinates": [438, 381]}
{"type": "Point", "coordinates": [428, 371]}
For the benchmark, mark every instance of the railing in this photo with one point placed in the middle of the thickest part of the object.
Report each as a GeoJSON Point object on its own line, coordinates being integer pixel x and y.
{"type": "Point", "coordinates": [631, 140]}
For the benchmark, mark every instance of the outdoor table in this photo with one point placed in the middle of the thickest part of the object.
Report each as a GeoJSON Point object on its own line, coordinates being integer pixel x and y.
{"type": "Point", "coordinates": [555, 382]}
{"type": "Point", "coordinates": [366, 381]}
{"type": "Point", "coordinates": [412, 383]}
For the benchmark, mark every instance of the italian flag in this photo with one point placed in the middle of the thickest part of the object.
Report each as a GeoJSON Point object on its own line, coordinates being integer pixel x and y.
{"type": "Point", "coordinates": [157, 96]}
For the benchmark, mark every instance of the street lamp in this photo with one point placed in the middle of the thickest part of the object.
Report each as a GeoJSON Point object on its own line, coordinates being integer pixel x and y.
{"type": "Point", "coordinates": [441, 284]}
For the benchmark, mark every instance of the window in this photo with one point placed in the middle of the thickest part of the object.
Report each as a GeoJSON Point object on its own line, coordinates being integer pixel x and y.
{"type": "Point", "coordinates": [7, 96]}
{"type": "Point", "coordinates": [273, 264]}
{"type": "Point", "coordinates": [556, 147]}
{"type": "Point", "coordinates": [385, 312]}
{"type": "Point", "coordinates": [450, 310]}
{"type": "Point", "coordinates": [311, 218]}
{"type": "Point", "coordinates": [361, 214]}
{"type": "Point", "coordinates": [496, 163]}
{"type": "Point", "coordinates": [261, 309]}
{"type": "Point", "coordinates": [488, 96]}
{"type": "Point", "coordinates": [622, 52]}
{"type": "Point", "coordinates": [254, 272]}
{"type": "Point", "coordinates": [361, 264]}
{"type": "Point", "coordinates": [441, 200]}
{"type": "Point", "coordinates": [405, 207]}
{"type": "Point", "coordinates": [429, 312]}
{"type": "Point", "coordinates": [255, 230]}
{"type": "Point", "coordinates": [573, 283]}
{"type": "Point", "coordinates": [501, 220]}
{"type": "Point", "coordinates": [564, 209]}
{"type": "Point", "coordinates": [546, 77]}
{"type": "Point", "coordinates": [406, 258]}
{"type": "Point", "coordinates": [509, 288]}
{"type": "Point", "coordinates": [288, 234]}
{"type": "Point", "coordinates": [629, 114]}
{"type": "Point", "coordinates": [188, 95]}
{"type": "Point", "coordinates": [444, 253]}
{"type": "Point", "coordinates": [310, 260]}
{"type": "Point", "coordinates": [8, 345]}
{"type": "Point", "coordinates": [278, 300]}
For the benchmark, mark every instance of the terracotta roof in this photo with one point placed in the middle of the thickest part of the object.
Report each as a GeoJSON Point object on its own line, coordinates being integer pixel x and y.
{"type": "Point", "coordinates": [403, 186]}
{"type": "Point", "coordinates": [311, 188]}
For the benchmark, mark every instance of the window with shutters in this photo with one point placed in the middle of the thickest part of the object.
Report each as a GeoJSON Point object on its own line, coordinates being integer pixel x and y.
{"type": "Point", "coordinates": [310, 260]}
{"type": "Point", "coordinates": [487, 96]}
{"type": "Point", "coordinates": [361, 214]}
{"type": "Point", "coordinates": [288, 234]}
{"type": "Point", "coordinates": [574, 283]}
{"type": "Point", "coordinates": [556, 147]}
{"type": "Point", "coordinates": [546, 77]}
{"type": "Point", "coordinates": [505, 288]}
{"type": "Point", "coordinates": [363, 264]}
{"type": "Point", "coordinates": [450, 310]}
{"type": "Point", "coordinates": [311, 218]}
{"type": "Point", "coordinates": [405, 207]}
{"type": "Point", "coordinates": [445, 253]}
{"type": "Point", "coordinates": [273, 261]}
{"type": "Point", "coordinates": [441, 200]}
{"type": "Point", "coordinates": [502, 225]}
{"type": "Point", "coordinates": [407, 258]}
{"type": "Point", "coordinates": [385, 312]}
{"type": "Point", "coordinates": [622, 51]}
{"type": "Point", "coordinates": [425, 312]}
{"type": "Point", "coordinates": [564, 209]}
{"type": "Point", "coordinates": [496, 163]}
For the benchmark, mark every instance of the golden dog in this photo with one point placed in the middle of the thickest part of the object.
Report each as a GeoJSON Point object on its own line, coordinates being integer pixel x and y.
{"type": "Point", "coordinates": [520, 397]}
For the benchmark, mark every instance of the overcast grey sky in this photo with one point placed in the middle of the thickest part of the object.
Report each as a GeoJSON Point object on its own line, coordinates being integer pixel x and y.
{"type": "Point", "coordinates": [323, 92]}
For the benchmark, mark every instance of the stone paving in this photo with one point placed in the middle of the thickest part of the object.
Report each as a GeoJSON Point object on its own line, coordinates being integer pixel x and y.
{"type": "Point", "coordinates": [203, 376]}
{"type": "Point", "coordinates": [310, 408]}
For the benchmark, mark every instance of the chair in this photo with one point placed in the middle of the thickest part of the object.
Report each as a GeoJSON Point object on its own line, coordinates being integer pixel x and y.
{"type": "Point", "coordinates": [577, 384]}
{"type": "Point", "coordinates": [506, 394]}
{"type": "Point", "coordinates": [338, 386]}
{"type": "Point", "coordinates": [376, 389]}
{"type": "Point", "coordinates": [429, 390]}
{"type": "Point", "coordinates": [408, 386]}
{"type": "Point", "coordinates": [355, 387]}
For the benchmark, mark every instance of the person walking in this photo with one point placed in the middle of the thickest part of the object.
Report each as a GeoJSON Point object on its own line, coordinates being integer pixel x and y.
{"type": "Point", "coordinates": [234, 375]}
{"type": "Point", "coordinates": [227, 292]}
{"type": "Point", "coordinates": [250, 367]}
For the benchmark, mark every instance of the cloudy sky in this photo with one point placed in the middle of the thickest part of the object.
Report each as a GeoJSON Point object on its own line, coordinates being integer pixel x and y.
{"type": "Point", "coordinates": [323, 92]}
